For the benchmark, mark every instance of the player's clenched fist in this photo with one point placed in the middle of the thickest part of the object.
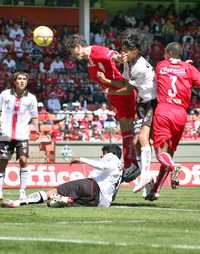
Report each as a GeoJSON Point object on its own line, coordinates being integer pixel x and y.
{"type": "Point", "coordinates": [124, 57]}
{"type": "Point", "coordinates": [101, 76]}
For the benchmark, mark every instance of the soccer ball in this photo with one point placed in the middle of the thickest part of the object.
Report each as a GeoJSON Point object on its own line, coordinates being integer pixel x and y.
{"type": "Point", "coordinates": [43, 36]}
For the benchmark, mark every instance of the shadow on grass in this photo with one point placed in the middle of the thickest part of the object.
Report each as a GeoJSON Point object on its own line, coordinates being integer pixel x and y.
{"type": "Point", "coordinates": [135, 204]}
{"type": "Point", "coordinates": [143, 204]}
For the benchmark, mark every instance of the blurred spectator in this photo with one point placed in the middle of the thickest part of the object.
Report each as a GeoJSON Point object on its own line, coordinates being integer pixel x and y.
{"type": "Point", "coordinates": [57, 66]}
{"type": "Point", "coordinates": [102, 112]}
{"type": "Point", "coordinates": [78, 112]}
{"type": "Point", "coordinates": [60, 92]}
{"type": "Point", "coordinates": [110, 122]}
{"type": "Point", "coordinates": [64, 114]}
{"type": "Point", "coordinates": [197, 119]}
{"type": "Point", "coordinates": [53, 104]}
{"type": "Point", "coordinates": [10, 62]}
{"type": "Point", "coordinates": [44, 65]}
{"type": "Point", "coordinates": [187, 47]}
{"type": "Point", "coordinates": [70, 65]}
{"type": "Point", "coordinates": [43, 115]}
{"type": "Point", "coordinates": [15, 31]}
{"type": "Point", "coordinates": [4, 41]}
{"type": "Point", "coordinates": [73, 135]}
{"type": "Point", "coordinates": [189, 129]}
{"type": "Point", "coordinates": [56, 133]}
{"type": "Point", "coordinates": [18, 49]}
{"type": "Point", "coordinates": [3, 52]}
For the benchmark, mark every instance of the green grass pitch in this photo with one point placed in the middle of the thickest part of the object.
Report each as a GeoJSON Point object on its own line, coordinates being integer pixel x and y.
{"type": "Point", "coordinates": [132, 225]}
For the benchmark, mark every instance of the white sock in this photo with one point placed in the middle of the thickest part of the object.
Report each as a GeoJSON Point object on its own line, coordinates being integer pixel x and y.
{"type": "Point", "coordinates": [2, 175]}
{"type": "Point", "coordinates": [36, 197]}
{"type": "Point", "coordinates": [24, 174]}
{"type": "Point", "coordinates": [145, 159]}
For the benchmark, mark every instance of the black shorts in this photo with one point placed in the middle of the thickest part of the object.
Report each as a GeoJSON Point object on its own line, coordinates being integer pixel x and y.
{"type": "Point", "coordinates": [144, 115]}
{"type": "Point", "coordinates": [7, 148]}
{"type": "Point", "coordinates": [84, 191]}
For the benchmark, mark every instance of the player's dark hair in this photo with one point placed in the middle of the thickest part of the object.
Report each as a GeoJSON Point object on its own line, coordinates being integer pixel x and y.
{"type": "Point", "coordinates": [175, 49]}
{"type": "Point", "coordinates": [74, 40]}
{"type": "Point", "coordinates": [130, 40]}
{"type": "Point", "coordinates": [113, 148]}
{"type": "Point", "coordinates": [16, 74]}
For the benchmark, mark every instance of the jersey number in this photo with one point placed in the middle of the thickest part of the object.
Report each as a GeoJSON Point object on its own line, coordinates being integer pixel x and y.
{"type": "Point", "coordinates": [172, 92]}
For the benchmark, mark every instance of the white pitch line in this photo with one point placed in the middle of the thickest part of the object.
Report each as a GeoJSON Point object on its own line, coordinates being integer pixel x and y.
{"type": "Point", "coordinates": [93, 242]}
{"type": "Point", "coordinates": [177, 246]}
{"type": "Point", "coordinates": [74, 222]}
{"type": "Point", "coordinates": [57, 240]}
{"type": "Point", "coordinates": [158, 208]}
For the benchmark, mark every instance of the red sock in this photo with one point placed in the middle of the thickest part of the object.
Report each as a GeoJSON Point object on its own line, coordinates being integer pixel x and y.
{"type": "Point", "coordinates": [163, 173]}
{"type": "Point", "coordinates": [128, 150]}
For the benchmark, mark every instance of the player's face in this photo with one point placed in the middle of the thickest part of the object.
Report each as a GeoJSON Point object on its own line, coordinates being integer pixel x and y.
{"type": "Point", "coordinates": [21, 82]}
{"type": "Point", "coordinates": [77, 52]}
{"type": "Point", "coordinates": [103, 153]}
{"type": "Point", "coordinates": [131, 53]}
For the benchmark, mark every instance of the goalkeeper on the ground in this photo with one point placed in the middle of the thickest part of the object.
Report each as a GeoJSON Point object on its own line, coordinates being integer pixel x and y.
{"type": "Point", "coordinates": [97, 190]}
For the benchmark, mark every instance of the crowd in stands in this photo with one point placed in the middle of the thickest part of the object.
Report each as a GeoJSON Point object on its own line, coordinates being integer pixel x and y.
{"type": "Point", "coordinates": [74, 123]}
{"type": "Point", "coordinates": [69, 103]}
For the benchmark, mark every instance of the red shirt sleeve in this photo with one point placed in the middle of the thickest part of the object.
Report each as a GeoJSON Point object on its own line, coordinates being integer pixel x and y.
{"type": "Point", "coordinates": [194, 74]}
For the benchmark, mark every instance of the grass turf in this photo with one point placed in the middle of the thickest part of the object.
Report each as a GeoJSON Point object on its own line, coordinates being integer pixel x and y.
{"type": "Point", "coordinates": [132, 225]}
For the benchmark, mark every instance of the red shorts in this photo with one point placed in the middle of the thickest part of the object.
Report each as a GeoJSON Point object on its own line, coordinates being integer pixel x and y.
{"type": "Point", "coordinates": [123, 105]}
{"type": "Point", "coordinates": [168, 125]}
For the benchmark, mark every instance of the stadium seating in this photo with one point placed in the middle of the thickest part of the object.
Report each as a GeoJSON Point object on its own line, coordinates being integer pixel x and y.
{"type": "Point", "coordinates": [72, 84]}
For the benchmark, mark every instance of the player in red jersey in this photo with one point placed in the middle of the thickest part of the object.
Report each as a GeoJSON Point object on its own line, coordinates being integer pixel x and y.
{"type": "Point", "coordinates": [103, 59]}
{"type": "Point", "coordinates": [174, 84]}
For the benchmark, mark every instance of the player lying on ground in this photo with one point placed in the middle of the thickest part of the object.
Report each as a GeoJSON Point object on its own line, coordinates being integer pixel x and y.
{"type": "Point", "coordinates": [98, 190]}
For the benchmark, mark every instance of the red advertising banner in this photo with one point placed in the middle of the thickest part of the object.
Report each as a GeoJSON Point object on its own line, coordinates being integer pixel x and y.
{"type": "Point", "coordinates": [50, 175]}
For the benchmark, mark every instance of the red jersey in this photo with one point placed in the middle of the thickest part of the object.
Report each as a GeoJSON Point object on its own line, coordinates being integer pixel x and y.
{"type": "Point", "coordinates": [100, 59]}
{"type": "Point", "coordinates": [174, 82]}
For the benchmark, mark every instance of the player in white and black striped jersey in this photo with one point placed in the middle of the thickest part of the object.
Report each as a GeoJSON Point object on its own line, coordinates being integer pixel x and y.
{"type": "Point", "coordinates": [18, 109]}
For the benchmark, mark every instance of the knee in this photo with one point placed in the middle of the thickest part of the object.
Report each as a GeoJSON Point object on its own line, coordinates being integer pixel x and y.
{"type": "Point", "coordinates": [135, 141]}
{"type": "Point", "coordinates": [143, 139]}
